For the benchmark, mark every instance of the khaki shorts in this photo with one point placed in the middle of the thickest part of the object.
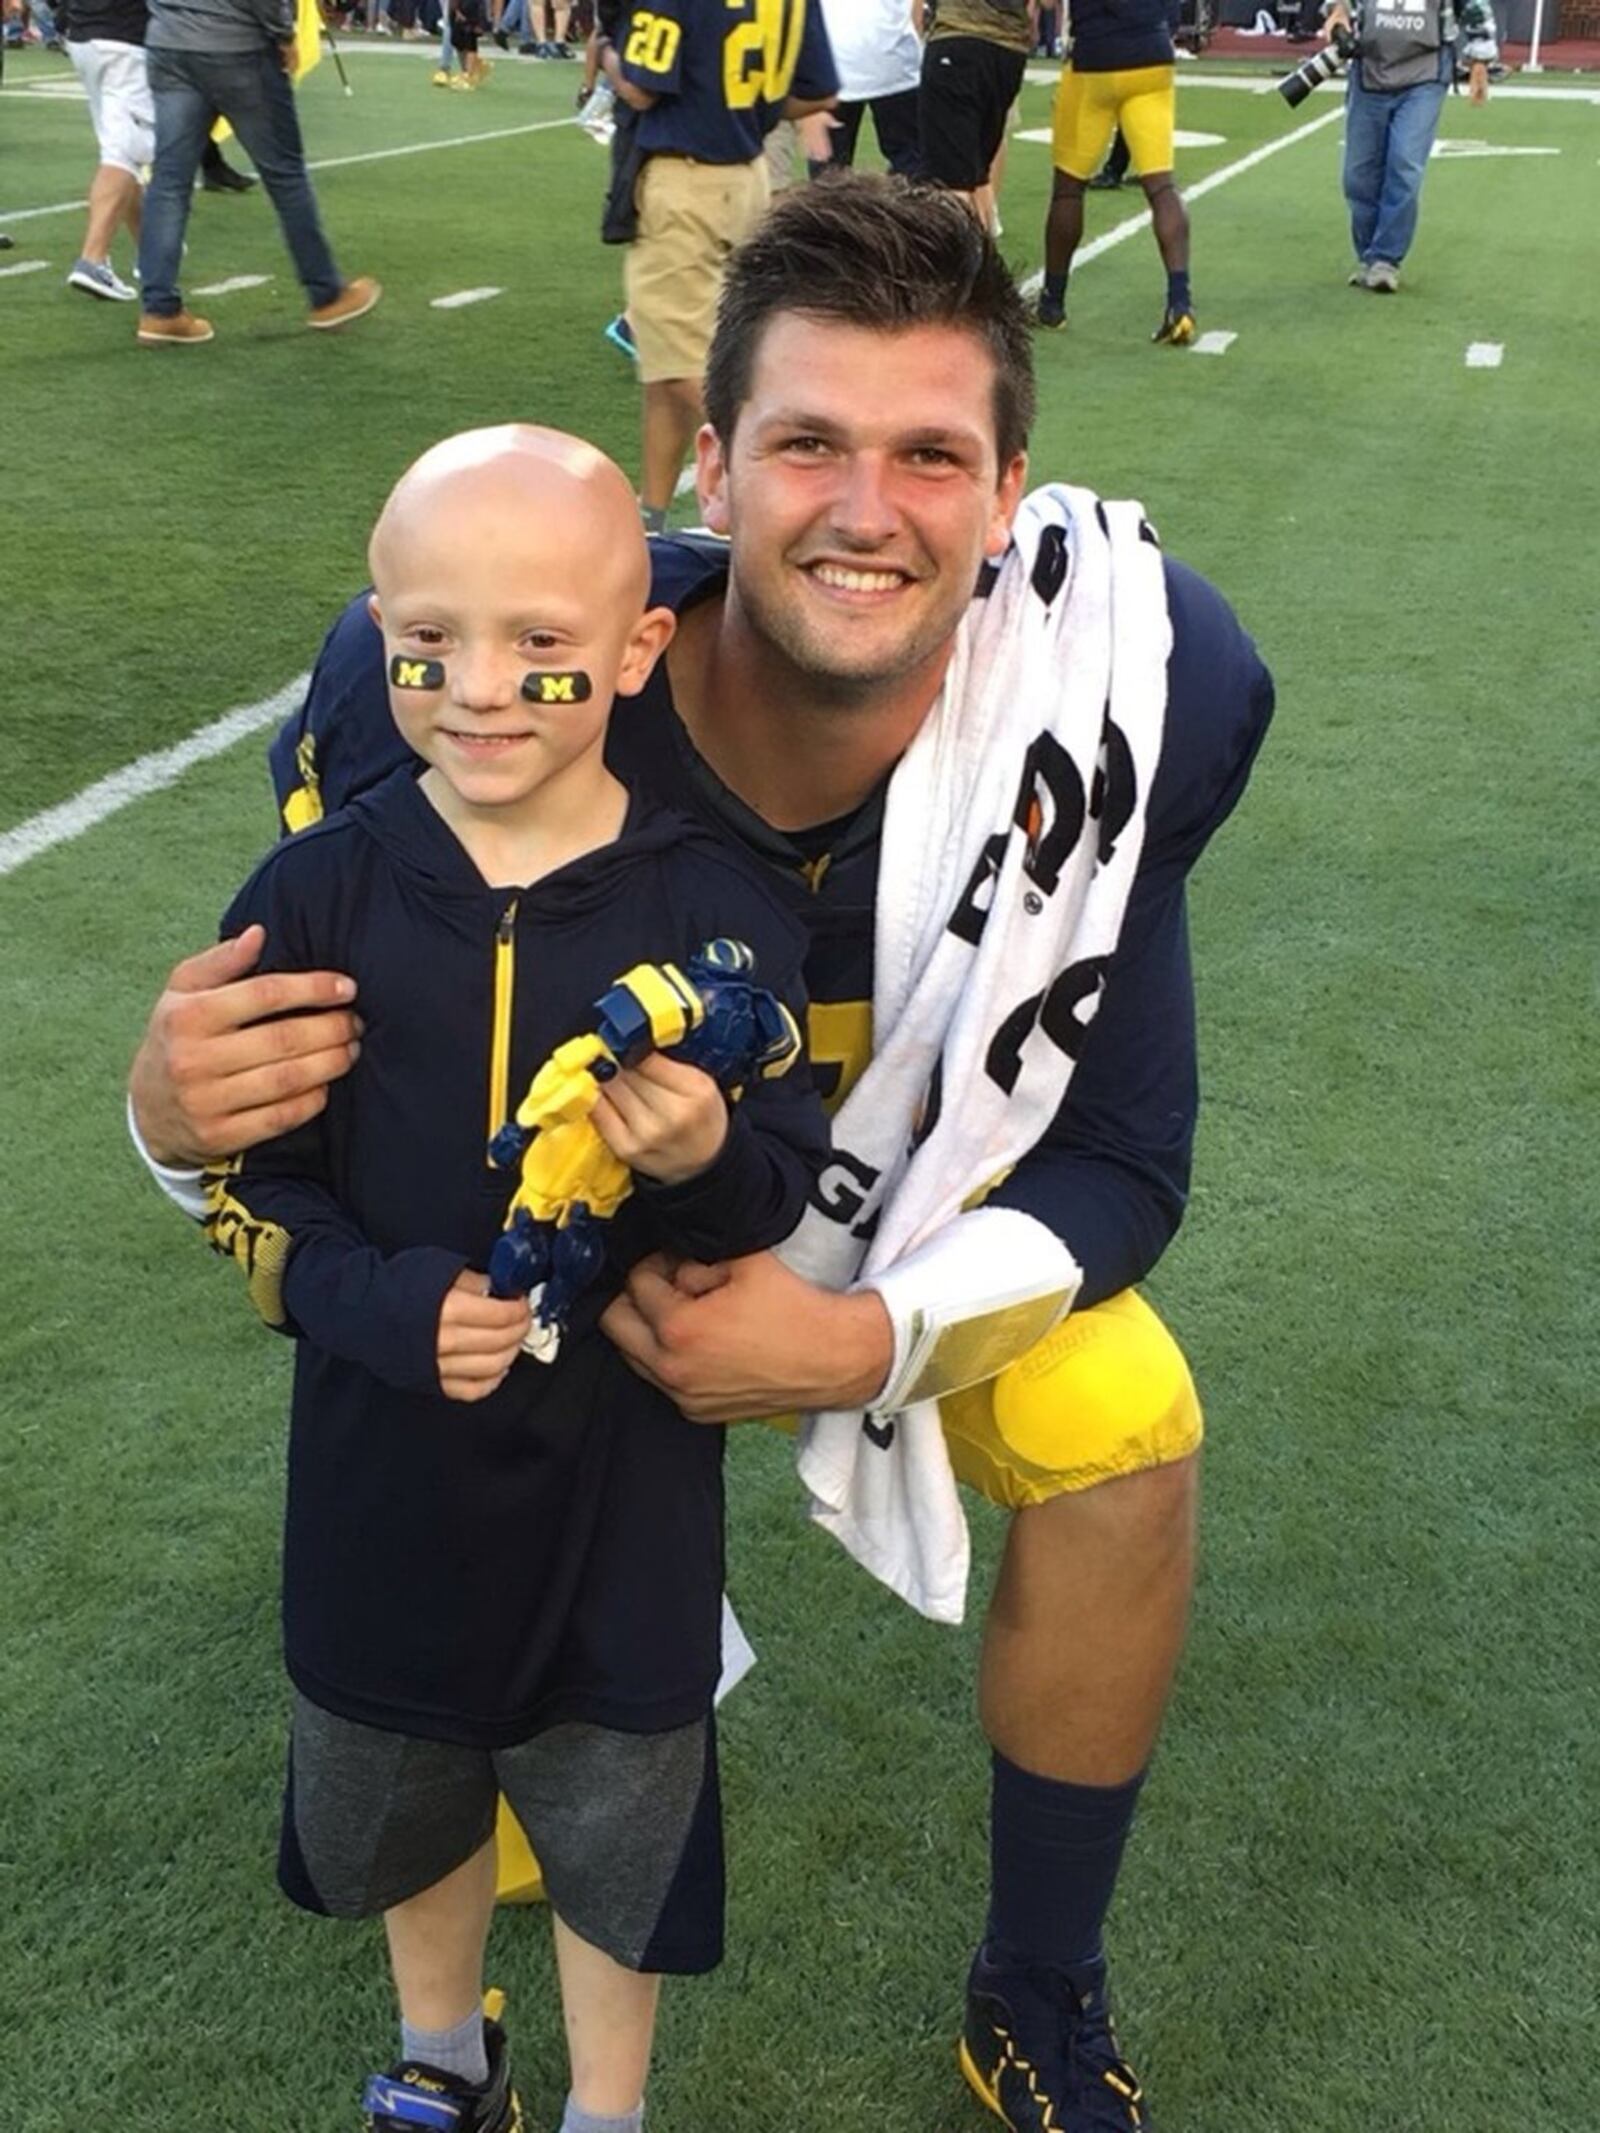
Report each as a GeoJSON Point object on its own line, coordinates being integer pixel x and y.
{"type": "Point", "coordinates": [691, 215]}
{"type": "Point", "coordinates": [1090, 107]}
{"type": "Point", "coordinates": [117, 83]}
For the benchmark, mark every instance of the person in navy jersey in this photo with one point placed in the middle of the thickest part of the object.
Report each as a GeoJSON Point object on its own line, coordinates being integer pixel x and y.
{"type": "Point", "coordinates": [869, 394]}
{"type": "Point", "coordinates": [1119, 81]}
{"type": "Point", "coordinates": [709, 84]}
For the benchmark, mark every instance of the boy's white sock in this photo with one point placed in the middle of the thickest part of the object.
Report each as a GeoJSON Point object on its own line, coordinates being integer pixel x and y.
{"type": "Point", "coordinates": [461, 2051]}
{"type": "Point", "coordinates": [580, 2121]}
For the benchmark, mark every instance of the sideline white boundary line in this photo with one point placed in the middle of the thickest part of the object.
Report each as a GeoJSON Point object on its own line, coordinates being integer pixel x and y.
{"type": "Point", "coordinates": [1122, 231]}
{"type": "Point", "coordinates": [372, 155]}
{"type": "Point", "coordinates": [59, 825]}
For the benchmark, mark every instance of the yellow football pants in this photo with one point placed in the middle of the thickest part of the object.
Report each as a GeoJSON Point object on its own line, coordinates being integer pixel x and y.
{"type": "Point", "coordinates": [1090, 107]}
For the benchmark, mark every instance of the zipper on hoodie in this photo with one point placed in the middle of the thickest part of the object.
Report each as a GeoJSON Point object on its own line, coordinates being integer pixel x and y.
{"type": "Point", "coordinates": [505, 982]}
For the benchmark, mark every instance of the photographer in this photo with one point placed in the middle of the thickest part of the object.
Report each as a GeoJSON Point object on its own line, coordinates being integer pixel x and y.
{"type": "Point", "coordinates": [1404, 59]}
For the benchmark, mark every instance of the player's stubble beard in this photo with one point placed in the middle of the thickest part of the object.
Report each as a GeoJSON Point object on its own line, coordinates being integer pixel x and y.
{"type": "Point", "coordinates": [823, 672]}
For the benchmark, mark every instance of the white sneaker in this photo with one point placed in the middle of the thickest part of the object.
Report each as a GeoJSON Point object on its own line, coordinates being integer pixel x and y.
{"type": "Point", "coordinates": [98, 277]}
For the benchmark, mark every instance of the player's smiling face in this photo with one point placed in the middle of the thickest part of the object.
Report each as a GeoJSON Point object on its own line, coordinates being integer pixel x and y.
{"type": "Point", "coordinates": [863, 490]}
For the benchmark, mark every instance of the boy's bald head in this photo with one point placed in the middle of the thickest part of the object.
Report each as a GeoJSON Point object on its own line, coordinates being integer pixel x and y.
{"type": "Point", "coordinates": [508, 486]}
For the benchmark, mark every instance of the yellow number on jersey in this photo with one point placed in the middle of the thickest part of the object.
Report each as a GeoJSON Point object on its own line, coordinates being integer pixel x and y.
{"type": "Point", "coordinates": [652, 42]}
{"type": "Point", "coordinates": [759, 57]}
{"type": "Point", "coordinates": [840, 1037]}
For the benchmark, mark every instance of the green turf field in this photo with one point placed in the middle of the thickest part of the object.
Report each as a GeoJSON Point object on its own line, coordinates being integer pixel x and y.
{"type": "Point", "coordinates": [1365, 1888]}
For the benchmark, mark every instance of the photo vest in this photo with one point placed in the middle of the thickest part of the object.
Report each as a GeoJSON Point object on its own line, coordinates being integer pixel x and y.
{"type": "Point", "coordinates": [1400, 41]}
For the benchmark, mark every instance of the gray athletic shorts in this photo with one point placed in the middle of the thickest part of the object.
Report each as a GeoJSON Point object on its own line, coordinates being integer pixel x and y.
{"type": "Point", "coordinates": [627, 1827]}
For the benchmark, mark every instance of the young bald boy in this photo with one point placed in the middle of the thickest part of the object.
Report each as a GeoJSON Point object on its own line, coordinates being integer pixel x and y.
{"type": "Point", "coordinates": [503, 1576]}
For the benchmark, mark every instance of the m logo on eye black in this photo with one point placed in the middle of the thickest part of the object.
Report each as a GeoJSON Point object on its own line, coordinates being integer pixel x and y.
{"type": "Point", "coordinates": [574, 688]}
{"type": "Point", "coordinates": [416, 673]}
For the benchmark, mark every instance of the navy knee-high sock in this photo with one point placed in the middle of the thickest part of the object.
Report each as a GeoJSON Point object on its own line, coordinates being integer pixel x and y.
{"type": "Point", "coordinates": [1054, 1851]}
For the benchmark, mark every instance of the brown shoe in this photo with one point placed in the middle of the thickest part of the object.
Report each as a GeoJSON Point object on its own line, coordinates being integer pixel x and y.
{"type": "Point", "coordinates": [182, 330]}
{"type": "Point", "coordinates": [353, 301]}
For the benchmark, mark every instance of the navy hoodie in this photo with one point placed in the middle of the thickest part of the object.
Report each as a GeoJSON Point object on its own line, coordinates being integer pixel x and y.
{"type": "Point", "coordinates": [474, 1571]}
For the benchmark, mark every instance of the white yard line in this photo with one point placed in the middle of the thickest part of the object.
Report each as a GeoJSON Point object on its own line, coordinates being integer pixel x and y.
{"type": "Point", "coordinates": [427, 148]}
{"type": "Point", "coordinates": [1120, 232]}
{"type": "Point", "coordinates": [151, 773]}
{"type": "Point", "coordinates": [28, 214]}
{"type": "Point", "coordinates": [463, 297]}
{"type": "Point", "coordinates": [1465, 151]}
{"type": "Point", "coordinates": [26, 266]}
{"type": "Point", "coordinates": [1485, 355]}
{"type": "Point", "coordinates": [373, 155]}
{"type": "Point", "coordinates": [234, 281]}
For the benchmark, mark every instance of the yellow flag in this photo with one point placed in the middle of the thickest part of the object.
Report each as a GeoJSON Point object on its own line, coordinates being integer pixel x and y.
{"type": "Point", "coordinates": [308, 38]}
{"type": "Point", "coordinates": [308, 50]}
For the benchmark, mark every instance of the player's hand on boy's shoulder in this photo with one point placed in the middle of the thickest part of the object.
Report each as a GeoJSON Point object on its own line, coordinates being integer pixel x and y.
{"type": "Point", "coordinates": [480, 1337]}
{"type": "Point", "coordinates": [662, 1118]}
{"type": "Point", "coordinates": [229, 1059]}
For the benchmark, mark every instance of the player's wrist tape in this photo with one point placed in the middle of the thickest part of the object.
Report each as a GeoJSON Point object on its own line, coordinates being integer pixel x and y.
{"type": "Point", "coordinates": [971, 1300]}
{"type": "Point", "coordinates": [182, 1187]}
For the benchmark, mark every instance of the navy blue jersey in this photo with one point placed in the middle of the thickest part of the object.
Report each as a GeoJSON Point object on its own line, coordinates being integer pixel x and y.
{"type": "Point", "coordinates": [473, 1572]}
{"type": "Point", "coordinates": [1109, 35]}
{"type": "Point", "coordinates": [722, 72]}
{"type": "Point", "coordinates": [1111, 1177]}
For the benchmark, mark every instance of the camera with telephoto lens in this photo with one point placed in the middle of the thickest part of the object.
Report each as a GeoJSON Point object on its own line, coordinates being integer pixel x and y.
{"type": "Point", "coordinates": [1321, 66]}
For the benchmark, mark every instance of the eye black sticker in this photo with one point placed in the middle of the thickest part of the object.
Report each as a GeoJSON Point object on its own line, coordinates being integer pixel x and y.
{"type": "Point", "coordinates": [574, 687]}
{"type": "Point", "coordinates": [416, 673]}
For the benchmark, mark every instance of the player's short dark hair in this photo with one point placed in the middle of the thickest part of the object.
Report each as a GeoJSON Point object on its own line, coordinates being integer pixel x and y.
{"type": "Point", "coordinates": [882, 252]}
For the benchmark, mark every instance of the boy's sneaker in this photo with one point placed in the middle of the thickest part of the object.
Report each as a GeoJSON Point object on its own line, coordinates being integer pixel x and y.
{"type": "Point", "coordinates": [1041, 2053]}
{"type": "Point", "coordinates": [411, 2097]}
{"type": "Point", "coordinates": [98, 277]}
{"type": "Point", "coordinates": [181, 330]}
{"type": "Point", "coordinates": [620, 334]}
{"type": "Point", "coordinates": [1176, 329]}
{"type": "Point", "coordinates": [1050, 312]}
{"type": "Point", "coordinates": [1383, 277]}
{"type": "Point", "coordinates": [353, 301]}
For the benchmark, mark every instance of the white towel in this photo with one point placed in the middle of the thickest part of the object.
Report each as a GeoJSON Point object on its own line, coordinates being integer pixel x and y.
{"type": "Point", "coordinates": [1012, 832]}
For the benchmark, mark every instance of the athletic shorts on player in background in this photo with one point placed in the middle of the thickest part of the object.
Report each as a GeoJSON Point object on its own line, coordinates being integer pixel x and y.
{"type": "Point", "coordinates": [968, 88]}
{"type": "Point", "coordinates": [1090, 107]}
{"type": "Point", "coordinates": [691, 215]}
{"type": "Point", "coordinates": [121, 109]}
{"type": "Point", "coordinates": [627, 1827]}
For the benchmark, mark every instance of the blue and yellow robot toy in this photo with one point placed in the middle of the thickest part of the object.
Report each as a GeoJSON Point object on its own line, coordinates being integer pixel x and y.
{"type": "Point", "coordinates": [709, 1013]}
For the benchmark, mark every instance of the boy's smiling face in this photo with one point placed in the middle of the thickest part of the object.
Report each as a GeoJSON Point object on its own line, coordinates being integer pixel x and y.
{"type": "Point", "coordinates": [500, 554]}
